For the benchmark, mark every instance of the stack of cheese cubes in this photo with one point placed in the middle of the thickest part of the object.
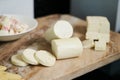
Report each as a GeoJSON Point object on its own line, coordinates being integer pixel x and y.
{"type": "Point", "coordinates": [98, 32]}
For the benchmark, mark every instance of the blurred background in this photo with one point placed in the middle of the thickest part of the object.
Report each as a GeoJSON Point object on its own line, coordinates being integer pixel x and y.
{"type": "Point", "coordinates": [78, 8]}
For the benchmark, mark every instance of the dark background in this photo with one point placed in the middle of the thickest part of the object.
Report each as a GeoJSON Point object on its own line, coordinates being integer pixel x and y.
{"type": "Point", "coordinates": [45, 7]}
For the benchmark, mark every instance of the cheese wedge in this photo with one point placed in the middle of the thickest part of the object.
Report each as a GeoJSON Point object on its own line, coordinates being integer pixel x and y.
{"type": "Point", "coordinates": [61, 29]}
{"type": "Point", "coordinates": [17, 60]}
{"type": "Point", "coordinates": [88, 43]}
{"type": "Point", "coordinates": [28, 56]}
{"type": "Point", "coordinates": [3, 68]}
{"type": "Point", "coordinates": [67, 48]}
{"type": "Point", "coordinates": [45, 58]}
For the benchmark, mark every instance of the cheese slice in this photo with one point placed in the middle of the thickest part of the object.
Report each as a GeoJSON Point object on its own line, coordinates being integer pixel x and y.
{"type": "Point", "coordinates": [17, 60]}
{"type": "Point", "coordinates": [67, 48]}
{"type": "Point", "coordinates": [88, 43]}
{"type": "Point", "coordinates": [61, 29]}
{"type": "Point", "coordinates": [45, 58]}
{"type": "Point", "coordinates": [28, 56]}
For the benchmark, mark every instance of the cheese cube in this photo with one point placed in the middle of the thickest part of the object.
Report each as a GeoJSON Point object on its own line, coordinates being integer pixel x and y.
{"type": "Point", "coordinates": [100, 45]}
{"type": "Point", "coordinates": [88, 43]}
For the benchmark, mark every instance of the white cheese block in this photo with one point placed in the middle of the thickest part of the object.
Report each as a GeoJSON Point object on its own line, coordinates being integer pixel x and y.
{"type": "Point", "coordinates": [100, 45]}
{"type": "Point", "coordinates": [98, 28]}
{"type": "Point", "coordinates": [28, 56]}
{"type": "Point", "coordinates": [67, 48]}
{"type": "Point", "coordinates": [61, 29]}
{"type": "Point", "coordinates": [88, 43]}
{"type": "Point", "coordinates": [17, 60]}
{"type": "Point", "coordinates": [92, 35]}
{"type": "Point", "coordinates": [45, 58]}
{"type": "Point", "coordinates": [104, 37]}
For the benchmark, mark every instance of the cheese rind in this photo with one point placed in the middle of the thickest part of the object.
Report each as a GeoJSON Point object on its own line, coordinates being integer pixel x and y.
{"type": "Point", "coordinates": [67, 48]}
{"type": "Point", "coordinates": [61, 29]}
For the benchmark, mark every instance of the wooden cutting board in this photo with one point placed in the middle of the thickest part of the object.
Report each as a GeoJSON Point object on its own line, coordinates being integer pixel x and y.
{"type": "Point", "coordinates": [63, 69]}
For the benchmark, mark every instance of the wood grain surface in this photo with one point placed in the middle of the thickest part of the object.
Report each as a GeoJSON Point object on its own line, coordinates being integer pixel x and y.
{"type": "Point", "coordinates": [63, 69]}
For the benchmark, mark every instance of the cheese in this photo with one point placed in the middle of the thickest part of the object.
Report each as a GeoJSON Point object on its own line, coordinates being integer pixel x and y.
{"type": "Point", "coordinates": [61, 29]}
{"type": "Point", "coordinates": [67, 48]}
{"type": "Point", "coordinates": [28, 56]}
{"type": "Point", "coordinates": [98, 28]}
{"type": "Point", "coordinates": [45, 58]}
{"type": "Point", "coordinates": [88, 43]}
{"type": "Point", "coordinates": [100, 45]}
{"type": "Point", "coordinates": [17, 60]}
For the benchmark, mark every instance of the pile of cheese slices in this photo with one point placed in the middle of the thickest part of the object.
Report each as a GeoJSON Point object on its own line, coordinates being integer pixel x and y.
{"type": "Point", "coordinates": [98, 33]}
{"type": "Point", "coordinates": [62, 43]}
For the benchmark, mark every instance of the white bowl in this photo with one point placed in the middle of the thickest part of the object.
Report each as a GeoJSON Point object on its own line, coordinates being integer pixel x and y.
{"type": "Point", "coordinates": [31, 22]}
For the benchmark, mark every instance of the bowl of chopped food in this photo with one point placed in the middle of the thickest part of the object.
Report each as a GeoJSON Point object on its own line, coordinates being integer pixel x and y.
{"type": "Point", "coordinates": [13, 27]}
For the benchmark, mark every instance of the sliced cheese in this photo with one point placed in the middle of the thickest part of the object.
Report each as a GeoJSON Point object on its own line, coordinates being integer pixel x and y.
{"type": "Point", "coordinates": [61, 29]}
{"type": "Point", "coordinates": [28, 56]}
{"type": "Point", "coordinates": [45, 58]}
{"type": "Point", "coordinates": [67, 48]}
{"type": "Point", "coordinates": [17, 60]}
{"type": "Point", "coordinates": [88, 43]}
